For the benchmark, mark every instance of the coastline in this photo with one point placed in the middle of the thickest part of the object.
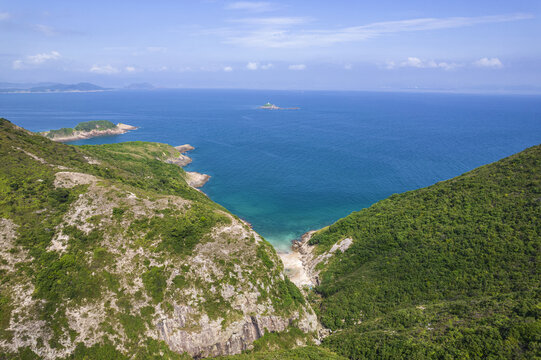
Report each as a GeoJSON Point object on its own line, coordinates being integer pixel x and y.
{"type": "Point", "coordinates": [297, 262]}
{"type": "Point", "coordinates": [80, 135]}
{"type": "Point", "coordinates": [300, 263]}
{"type": "Point", "coordinates": [193, 178]}
{"type": "Point", "coordinates": [53, 92]}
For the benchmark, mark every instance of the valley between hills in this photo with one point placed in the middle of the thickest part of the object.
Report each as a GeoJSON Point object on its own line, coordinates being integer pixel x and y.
{"type": "Point", "coordinates": [109, 252]}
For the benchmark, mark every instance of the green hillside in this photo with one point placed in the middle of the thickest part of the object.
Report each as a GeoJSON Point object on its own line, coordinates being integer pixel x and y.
{"type": "Point", "coordinates": [107, 253]}
{"type": "Point", "coordinates": [451, 271]}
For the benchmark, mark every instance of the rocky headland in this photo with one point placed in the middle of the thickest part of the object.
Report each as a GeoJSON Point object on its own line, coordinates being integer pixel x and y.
{"type": "Point", "coordinates": [194, 179]}
{"type": "Point", "coordinates": [116, 254]}
{"type": "Point", "coordinates": [88, 130]}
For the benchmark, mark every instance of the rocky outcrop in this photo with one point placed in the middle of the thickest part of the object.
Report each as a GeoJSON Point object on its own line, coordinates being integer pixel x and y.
{"type": "Point", "coordinates": [195, 179]}
{"type": "Point", "coordinates": [212, 339]}
{"type": "Point", "coordinates": [184, 148]}
{"type": "Point", "coordinates": [131, 265]}
{"type": "Point", "coordinates": [303, 255]}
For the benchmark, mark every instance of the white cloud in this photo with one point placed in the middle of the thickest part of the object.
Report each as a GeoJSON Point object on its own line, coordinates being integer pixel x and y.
{"type": "Point", "coordinates": [104, 69]}
{"type": "Point", "coordinates": [228, 69]}
{"type": "Point", "coordinates": [276, 37]}
{"type": "Point", "coordinates": [297, 67]}
{"type": "Point", "coordinates": [415, 62]}
{"type": "Point", "coordinates": [40, 58]}
{"type": "Point", "coordinates": [34, 60]}
{"type": "Point", "coordinates": [4, 16]}
{"type": "Point", "coordinates": [485, 62]}
{"type": "Point", "coordinates": [348, 66]}
{"type": "Point", "coordinates": [255, 6]}
{"type": "Point", "coordinates": [252, 66]}
{"type": "Point", "coordinates": [130, 69]}
{"type": "Point", "coordinates": [267, 66]}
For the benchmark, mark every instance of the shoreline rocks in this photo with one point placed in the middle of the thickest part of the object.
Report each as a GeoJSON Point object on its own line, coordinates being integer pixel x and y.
{"type": "Point", "coordinates": [193, 178]}
{"type": "Point", "coordinates": [184, 148]}
{"type": "Point", "coordinates": [196, 180]}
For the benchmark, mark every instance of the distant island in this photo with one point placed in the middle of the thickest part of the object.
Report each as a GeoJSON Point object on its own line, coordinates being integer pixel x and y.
{"type": "Point", "coordinates": [87, 130]}
{"type": "Point", "coordinates": [140, 86]}
{"type": "Point", "coordinates": [269, 106]}
{"type": "Point", "coordinates": [52, 88]}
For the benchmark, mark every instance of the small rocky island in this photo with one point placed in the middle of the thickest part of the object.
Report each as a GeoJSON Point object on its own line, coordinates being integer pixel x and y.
{"type": "Point", "coordinates": [269, 106]}
{"type": "Point", "coordinates": [87, 130]}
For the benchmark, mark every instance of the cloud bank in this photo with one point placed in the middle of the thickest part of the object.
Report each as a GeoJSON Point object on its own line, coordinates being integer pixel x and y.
{"type": "Point", "coordinates": [35, 60]}
{"type": "Point", "coordinates": [416, 62]}
{"type": "Point", "coordinates": [278, 37]}
{"type": "Point", "coordinates": [104, 69]}
{"type": "Point", "coordinates": [297, 67]}
{"type": "Point", "coordinates": [493, 63]}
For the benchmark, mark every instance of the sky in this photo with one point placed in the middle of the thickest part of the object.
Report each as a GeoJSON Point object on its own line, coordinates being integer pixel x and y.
{"type": "Point", "coordinates": [477, 46]}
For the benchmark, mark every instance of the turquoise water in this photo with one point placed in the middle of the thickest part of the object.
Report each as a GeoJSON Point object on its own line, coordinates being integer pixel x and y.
{"type": "Point", "coordinates": [289, 171]}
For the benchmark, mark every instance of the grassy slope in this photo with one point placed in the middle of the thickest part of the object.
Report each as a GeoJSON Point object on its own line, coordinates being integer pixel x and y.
{"type": "Point", "coordinates": [448, 271]}
{"type": "Point", "coordinates": [29, 199]}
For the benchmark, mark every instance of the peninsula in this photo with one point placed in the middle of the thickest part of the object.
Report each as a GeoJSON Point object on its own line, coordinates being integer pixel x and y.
{"type": "Point", "coordinates": [49, 88]}
{"type": "Point", "coordinates": [87, 130]}
{"type": "Point", "coordinates": [194, 179]}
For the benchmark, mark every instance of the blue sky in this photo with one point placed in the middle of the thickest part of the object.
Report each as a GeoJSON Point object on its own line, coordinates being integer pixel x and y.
{"type": "Point", "coordinates": [344, 45]}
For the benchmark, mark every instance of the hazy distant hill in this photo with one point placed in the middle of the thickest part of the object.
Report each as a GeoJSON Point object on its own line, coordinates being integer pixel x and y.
{"type": "Point", "coordinates": [140, 86]}
{"type": "Point", "coordinates": [49, 87]}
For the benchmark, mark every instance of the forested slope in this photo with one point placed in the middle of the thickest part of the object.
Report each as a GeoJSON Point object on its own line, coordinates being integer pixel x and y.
{"type": "Point", "coordinates": [448, 271]}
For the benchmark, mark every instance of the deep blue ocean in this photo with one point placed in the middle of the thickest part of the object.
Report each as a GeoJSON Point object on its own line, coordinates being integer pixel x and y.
{"type": "Point", "coordinates": [290, 171]}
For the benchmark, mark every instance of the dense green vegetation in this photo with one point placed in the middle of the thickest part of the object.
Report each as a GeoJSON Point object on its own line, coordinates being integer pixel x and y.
{"type": "Point", "coordinates": [301, 353]}
{"type": "Point", "coordinates": [81, 274]}
{"type": "Point", "coordinates": [62, 132]}
{"type": "Point", "coordinates": [134, 164]}
{"type": "Point", "coordinates": [451, 271]}
{"type": "Point", "coordinates": [284, 346]}
{"type": "Point", "coordinates": [94, 125]}
{"type": "Point", "coordinates": [448, 271]}
{"type": "Point", "coordinates": [83, 126]}
{"type": "Point", "coordinates": [155, 283]}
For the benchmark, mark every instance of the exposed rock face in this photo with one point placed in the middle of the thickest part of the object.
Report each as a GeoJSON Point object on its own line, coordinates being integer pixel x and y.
{"type": "Point", "coordinates": [181, 160]}
{"type": "Point", "coordinates": [303, 254]}
{"type": "Point", "coordinates": [184, 148]}
{"type": "Point", "coordinates": [212, 340]}
{"type": "Point", "coordinates": [196, 179]}
{"type": "Point", "coordinates": [215, 289]}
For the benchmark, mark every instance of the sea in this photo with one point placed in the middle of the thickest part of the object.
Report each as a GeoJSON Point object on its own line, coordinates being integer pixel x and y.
{"type": "Point", "coordinates": [290, 171]}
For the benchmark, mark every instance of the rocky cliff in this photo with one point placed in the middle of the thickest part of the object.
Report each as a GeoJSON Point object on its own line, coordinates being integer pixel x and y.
{"type": "Point", "coordinates": [107, 249]}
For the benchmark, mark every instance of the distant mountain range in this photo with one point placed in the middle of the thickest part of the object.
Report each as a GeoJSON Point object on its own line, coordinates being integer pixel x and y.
{"type": "Point", "coordinates": [140, 86]}
{"type": "Point", "coordinates": [49, 87]}
{"type": "Point", "coordinates": [6, 87]}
